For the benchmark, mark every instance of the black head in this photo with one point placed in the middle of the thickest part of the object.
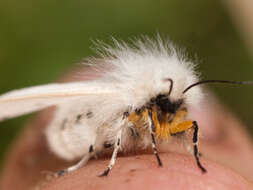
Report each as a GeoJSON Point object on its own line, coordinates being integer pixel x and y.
{"type": "Point", "coordinates": [164, 103]}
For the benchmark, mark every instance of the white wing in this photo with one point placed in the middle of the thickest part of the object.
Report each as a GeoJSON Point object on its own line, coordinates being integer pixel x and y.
{"type": "Point", "coordinates": [70, 133]}
{"type": "Point", "coordinates": [19, 102]}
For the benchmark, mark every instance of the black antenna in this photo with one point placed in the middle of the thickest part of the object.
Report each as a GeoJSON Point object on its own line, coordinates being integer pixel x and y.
{"type": "Point", "coordinates": [219, 82]}
{"type": "Point", "coordinates": [171, 85]}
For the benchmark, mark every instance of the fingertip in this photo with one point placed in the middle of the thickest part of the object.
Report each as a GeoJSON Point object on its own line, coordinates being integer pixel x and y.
{"type": "Point", "coordinates": [142, 172]}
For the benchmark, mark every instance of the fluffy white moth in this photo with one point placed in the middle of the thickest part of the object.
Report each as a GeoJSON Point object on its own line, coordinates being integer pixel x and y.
{"type": "Point", "coordinates": [142, 98]}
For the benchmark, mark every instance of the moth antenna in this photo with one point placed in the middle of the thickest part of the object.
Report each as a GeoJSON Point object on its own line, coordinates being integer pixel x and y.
{"type": "Point", "coordinates": [219, 82]}
{"type": "Point", "coordinates": [171, 85]}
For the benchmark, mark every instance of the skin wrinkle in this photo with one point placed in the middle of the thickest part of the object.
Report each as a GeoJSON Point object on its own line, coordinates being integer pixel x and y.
{"type": "Point", "coordinates": [226, 160]}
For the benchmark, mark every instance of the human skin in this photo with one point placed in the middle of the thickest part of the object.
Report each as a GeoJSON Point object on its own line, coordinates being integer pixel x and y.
{"type": "Point", "coordinates": [225, 144]}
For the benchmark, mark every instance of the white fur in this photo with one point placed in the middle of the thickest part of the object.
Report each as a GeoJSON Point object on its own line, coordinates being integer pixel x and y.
{"type": "Point", "coordinates": [134, 75]}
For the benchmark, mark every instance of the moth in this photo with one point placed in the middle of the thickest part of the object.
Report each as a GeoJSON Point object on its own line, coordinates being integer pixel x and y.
{"type": "Point", "coordinates": [141, 97]}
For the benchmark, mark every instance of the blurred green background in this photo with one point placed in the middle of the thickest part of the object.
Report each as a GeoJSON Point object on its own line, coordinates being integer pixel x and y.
{"type": "Point", "coordinates": [40, 40]}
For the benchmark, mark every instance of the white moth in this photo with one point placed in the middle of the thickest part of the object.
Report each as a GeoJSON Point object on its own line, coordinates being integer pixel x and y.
{"type": "Point", "coordinates": [142, 98]}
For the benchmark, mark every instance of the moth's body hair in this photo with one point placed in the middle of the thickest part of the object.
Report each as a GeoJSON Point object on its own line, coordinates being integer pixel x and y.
{"type": "Point", "coordinates": [138, 99]}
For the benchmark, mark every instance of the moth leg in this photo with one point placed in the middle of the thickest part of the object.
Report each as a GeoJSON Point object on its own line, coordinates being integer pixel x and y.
{"type": "Point", "coordinates": [178, 129]}
{"type": "Point", "coordinates": [195, 146]}
{"type": "Point", "coordinates": [181, 127]}
{"type": "Point", "coordinates": [152, 133]}
{"type": "Point", "coordinates": [83, 161]}
{"type": "Point", "coordinates": [188, 146]}
{"type": "Point", "coordinates": [114, 154]}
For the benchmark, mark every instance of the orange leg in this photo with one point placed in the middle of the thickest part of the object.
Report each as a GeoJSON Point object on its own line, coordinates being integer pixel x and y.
{"type": "Point", "coordinates": [183, 126]}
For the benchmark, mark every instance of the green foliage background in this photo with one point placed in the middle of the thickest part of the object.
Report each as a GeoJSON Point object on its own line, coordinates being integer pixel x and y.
{"type": "Point", "coordinates": [40, 40]}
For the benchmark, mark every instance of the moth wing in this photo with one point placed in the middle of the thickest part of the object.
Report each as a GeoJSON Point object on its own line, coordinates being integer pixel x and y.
{"type": "Point", "coordinates": [23, 101]}
{"type": "Point", "coordinates": [83, 122]}
{"type": "Point", "coordinates": [70, 134]}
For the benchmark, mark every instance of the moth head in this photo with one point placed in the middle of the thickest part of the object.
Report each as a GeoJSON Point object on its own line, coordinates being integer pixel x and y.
{"type": "Point", "coordinates": [164, 102]}
{"type": "Point", "coordinates": [166, 105]}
